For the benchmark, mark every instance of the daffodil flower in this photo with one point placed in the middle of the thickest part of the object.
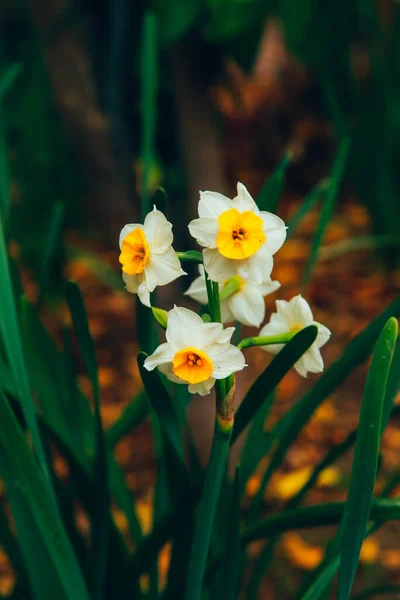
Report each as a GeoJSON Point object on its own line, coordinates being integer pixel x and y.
{"type": "Point", "coordinates": [294, 316]}
{"type": "Point", "coordinates": [196, 353]}
{"type": "Point", "coordinates": [147, 256]}
{"type": "Point", "coordinates": [238, 238]}
{"type": "Point", "coordinates": [244, 301]}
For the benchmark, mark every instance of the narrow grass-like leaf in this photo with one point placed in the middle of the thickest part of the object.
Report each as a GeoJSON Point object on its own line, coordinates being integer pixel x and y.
{"type": "Point", "coordinates": [232, 565]}
{"type": "Point", "coordinates": [271, 376]}
{"type": "Point", "coordinates": [307, 205]}
{"type": "Point", "coordinates": [4, 173]}
{"type": "Point", "coordinates": [393, 386]}
{"type": "Point", "coordinates": [270, 194]}
{"type": "Point", "coordinates": [256, 444]}
{"type": "Point", "coordinates": [330, 197]}
{"type": "Point", "coordinates": [290, 425]}
{"type": "Point", "coordinates": [50, 245]}
{"type": "Point", "coordinates": [67, 411]}
{"type": "Point", "coordinates": [99, 531]}
{"type": "Point", "coordinates": [319, 515]}
{"type": "Point", "coordinates": [162, 405]}
{"type": "Point", "coordinates": [10, 333]}
{"type": "Point", "coordinates": [8, 78]}
{"type": "Point", "coordinates": [134, 414]}
{"type": "Point", "coordinates": [365, 458]}
{"type": "Point", "coordinates": [214, 476]}
{"type": "Point", "coordinates": [51, 558]}
{"type": "Point", "coordinates": [148, 76]}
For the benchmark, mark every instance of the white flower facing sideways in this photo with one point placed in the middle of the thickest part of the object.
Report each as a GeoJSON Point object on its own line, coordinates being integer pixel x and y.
{"type": "Point", "coordinates": [294, 316]}
{"type": "Point", "coordinates": [147, 256]}
{"type": "Point", "coordinates": [196, 353]}
{"type": "Point", "coordinates": [245, 305]}
{"type": "Point", "coordinates": [238, 238]}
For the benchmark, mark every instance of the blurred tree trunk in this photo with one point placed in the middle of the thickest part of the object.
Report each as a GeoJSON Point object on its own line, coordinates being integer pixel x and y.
{"type": "Point", "coordinates": [110, 189]}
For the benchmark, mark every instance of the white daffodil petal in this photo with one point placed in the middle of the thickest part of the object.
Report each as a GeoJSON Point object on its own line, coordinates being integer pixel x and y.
{"type": "Point", "coordinates": [205, 231]}
{"type": "Point", "coordinates": [132, 282]}
{"type": "Point", "coordinates": [162, 269]}
{"type": "Point", "coordinates": [293, 316]}
{"type": "Point", "coordinates": [275, 239]}
{"type": "Point", "coordinates": [311, 361]}
{"type": "Point", "coordinates": [158, 232]}
{"type": "Point", "coordinates": [198, 290]}
{"type": "Point", "coordinates": [271, 221]}
{"type": "Point", "coordinates": [144, 294]}
{"type": "Point", "coordinates": [300, 311]}
{"type": "Point", "coordinates": [215, 340]}
{"type": "Point", "coordinates": [323, 334]}
{"type": "Point", "coordinates": [226, 313]}
{"type": "Point", "coordinates": [166, 369]}
{"type": "Point", "coordinates": [203, 388]}
{"type": "Point", "coordinates": [248, 306]}
{"type": "Point", "coordinates": [274, 327]}
{"type": "Point", "coordinates": [256, 268]}
{"type": "Point", "coordinates": [212, 204]}
{"type": "Point", "coordinates": [300, 367]}
{"type": "Point", "coordinates": [228, 362]}
{"type": "Point", "coordinates": [163, 354]}
{"type": "Point", "coordinates": [183, 326]}
{"type": "Point", "coordinates": [243, 200]}
{"type": "Point", "coordinates": [127, 229]}
{"type": "Point", "coordinates": [214, 333]}
{"type": "Point", "coordinates": [218, 267]}
{"type": "Point", "coordinates": [267, 287]}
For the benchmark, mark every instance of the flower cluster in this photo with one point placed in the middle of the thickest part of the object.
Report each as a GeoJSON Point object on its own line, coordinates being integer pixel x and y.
{"type": "Point", "coordinates": [239, 242]}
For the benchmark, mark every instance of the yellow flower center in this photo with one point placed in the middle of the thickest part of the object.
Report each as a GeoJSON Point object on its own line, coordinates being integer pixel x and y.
{"type": "Point", "coordinates": [134, 252]}
{"type": "Point", "coordinates": [240, 233]}
{"type": "Point", "coordinates": [192, 365]}
{"type": "Point", "coordinates": [296, 328]}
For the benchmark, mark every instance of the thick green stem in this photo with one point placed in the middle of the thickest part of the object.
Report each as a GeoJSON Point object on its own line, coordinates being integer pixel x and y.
{"type": "Point", "coordinates": [208, 504]}
{"type": "Point", "coordinates": [280, 338]}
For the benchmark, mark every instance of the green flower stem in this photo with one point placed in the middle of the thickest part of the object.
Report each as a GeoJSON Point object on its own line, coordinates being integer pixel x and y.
{"type": "Point", "coordinates": [205, 518]}
{"type": "Point", "coordinates": [216, 466]}
{"type": "Point", "coordinates": [281, 338]}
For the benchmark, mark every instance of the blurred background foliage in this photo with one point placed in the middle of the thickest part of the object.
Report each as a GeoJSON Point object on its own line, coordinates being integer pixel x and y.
{"type": "Point", "coordinates": [85, 56]}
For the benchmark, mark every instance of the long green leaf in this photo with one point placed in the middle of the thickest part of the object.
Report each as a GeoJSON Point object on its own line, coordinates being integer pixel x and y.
{"type": "Point", "coordinates": [8, 78]}
{"type": "Point", "coordinates": [50, 245]}
{"type": "Point", "coordinates": [136, 411]}
{"type": "Point", "coordinates": [330, 197]}
{"type": "Point", "coordinates": [99, 530]}
{"type": "Point", "coordinates": [149, 75]}
{"type": "Point", "coordinates": [162, 404]}
{"type": "Point", "coordinates": [232, 565]}
{"type": "Point", "coordinates": [308, 204]}
{"type": "Point", "coordinates": [214, 476]}
{"type": "Point", "coordinates": [270, 194]}
{"type": "Point", "coordinates": [50, 560]}
{"type": "Point", "coordinates": [256, 444]}
{"type": "Point", "coordinates": [365, 458]}
{"type": "Point", "coordinates": [271, 376]}
{"type": "Point", "coordinates": [11, 337]}
{"type": "Point", "coordinates": [289, 427]}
